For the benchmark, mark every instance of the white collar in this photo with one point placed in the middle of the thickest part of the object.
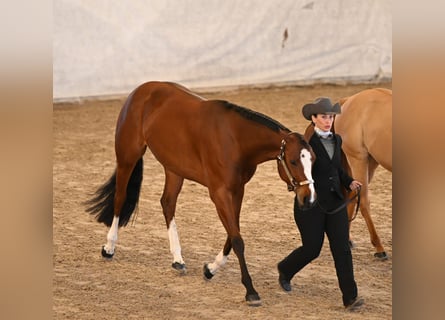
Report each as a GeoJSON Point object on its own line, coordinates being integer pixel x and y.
{"type": "Point", "coordinates": [323, 134]}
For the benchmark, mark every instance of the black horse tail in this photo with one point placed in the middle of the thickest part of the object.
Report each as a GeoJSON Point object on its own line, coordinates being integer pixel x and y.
{"type": "Point", "coordinates": [102, 203]}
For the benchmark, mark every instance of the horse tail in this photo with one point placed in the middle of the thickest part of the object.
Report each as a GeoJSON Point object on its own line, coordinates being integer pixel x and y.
{"type": "Point", "coordinates": [102, 203]}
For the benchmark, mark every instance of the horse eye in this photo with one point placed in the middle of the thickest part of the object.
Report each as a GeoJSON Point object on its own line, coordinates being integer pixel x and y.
{"type": "Point", "coordinates": [293, 162]}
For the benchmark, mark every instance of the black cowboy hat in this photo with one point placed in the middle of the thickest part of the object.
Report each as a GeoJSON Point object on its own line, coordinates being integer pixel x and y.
{"type": "Point", "coordinates": [321, 105]}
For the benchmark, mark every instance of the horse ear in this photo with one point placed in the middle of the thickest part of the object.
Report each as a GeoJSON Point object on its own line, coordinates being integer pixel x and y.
{"type": "Point", "coordinates": [309, 132]}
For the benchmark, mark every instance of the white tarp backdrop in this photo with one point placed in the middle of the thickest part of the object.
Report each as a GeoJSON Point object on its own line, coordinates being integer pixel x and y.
{"type": "Point", "coordinates": [104, 47]}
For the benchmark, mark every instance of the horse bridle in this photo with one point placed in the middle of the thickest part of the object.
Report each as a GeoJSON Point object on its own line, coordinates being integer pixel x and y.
{"type": "Point", "coordinates": [293, 182]}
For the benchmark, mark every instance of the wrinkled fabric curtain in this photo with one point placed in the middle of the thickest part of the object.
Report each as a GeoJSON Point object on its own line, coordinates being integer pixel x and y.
{"type": "Point", "coordinates": [110, 47]}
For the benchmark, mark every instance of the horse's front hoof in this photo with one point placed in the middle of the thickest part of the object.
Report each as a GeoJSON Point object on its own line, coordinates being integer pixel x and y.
{"type": "Point", "coordinates": [253, 300]}
{"type": "Point", "coordinates": [105, 254]}
{"type": "Point", "coordinates": [207, 274]}
{"type": "Point", "coordinates": [180, 267]}
{"type": "Point", "coordinates": [381, 256]}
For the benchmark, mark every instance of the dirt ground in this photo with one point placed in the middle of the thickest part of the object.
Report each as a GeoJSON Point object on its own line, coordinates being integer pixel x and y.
{"type": "Point", "coordinates": [139, 283]}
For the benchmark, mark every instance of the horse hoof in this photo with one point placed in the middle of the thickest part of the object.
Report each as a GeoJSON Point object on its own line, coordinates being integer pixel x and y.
{"type": "Point", "coordinates": [180, 267]}
{"type": "Point", "coordinates": [253, 300]}
{"type": "Point", "coordinates": [106, 254]}
{"type": "Point", "coordinates": [381, 256]}
{"type": "Point", "coordinates": [207, 274]}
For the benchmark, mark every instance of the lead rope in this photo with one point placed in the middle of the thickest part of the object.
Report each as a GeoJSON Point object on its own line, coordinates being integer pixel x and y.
{"type": "Point", "coordinates": [357, 195]}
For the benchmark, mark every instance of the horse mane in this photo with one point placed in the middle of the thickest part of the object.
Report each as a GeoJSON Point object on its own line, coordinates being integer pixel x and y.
{"type": "Point", "coordinates": [254, 116]}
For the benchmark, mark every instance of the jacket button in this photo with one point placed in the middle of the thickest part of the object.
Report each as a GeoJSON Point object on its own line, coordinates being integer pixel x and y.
{"type": "Point", "coordinates": [330, 178]}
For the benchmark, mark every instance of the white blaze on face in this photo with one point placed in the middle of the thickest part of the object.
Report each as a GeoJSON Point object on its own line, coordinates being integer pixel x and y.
{"type": "Point", "coordinates": [305, 158]}
{"type": "Point", "coordinates": [175, 246]}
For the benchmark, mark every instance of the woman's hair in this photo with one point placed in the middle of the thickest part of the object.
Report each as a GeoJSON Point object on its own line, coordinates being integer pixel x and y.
{"type": "Point", "coordinates": [315, 115]}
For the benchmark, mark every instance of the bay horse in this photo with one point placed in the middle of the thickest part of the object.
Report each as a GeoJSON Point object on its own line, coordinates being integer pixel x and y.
{"type": "Point", "coordinates": [365, 125]}
{"type": "Point", "coordinates": [213, 142]}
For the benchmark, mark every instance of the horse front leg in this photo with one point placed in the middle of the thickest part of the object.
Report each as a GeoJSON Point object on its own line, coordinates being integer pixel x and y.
{"type": "Point", "coordinates": [228, 206]}
{"type": "Point", "coordinates": [252, 296]}
{"type": "Point", "coordinates": [210, 269]}
{"type": "Point", "coordinates": [172, 187]}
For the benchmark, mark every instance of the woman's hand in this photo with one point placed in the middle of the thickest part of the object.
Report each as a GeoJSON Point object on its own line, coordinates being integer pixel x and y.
{"type": "Point", "coordinates": [355, 184]}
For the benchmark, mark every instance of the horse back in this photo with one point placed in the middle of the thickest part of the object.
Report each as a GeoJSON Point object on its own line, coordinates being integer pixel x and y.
{"type": "Point", "coordinates": [187, 134]}
{"type": "Point", "coordinates": [149, 101]}
{"type": "Point", "coordinates": [365, 125]}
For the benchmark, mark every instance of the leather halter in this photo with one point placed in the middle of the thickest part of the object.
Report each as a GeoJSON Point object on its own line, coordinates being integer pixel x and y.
{"type": "Point", "coordinates": [293, 182]}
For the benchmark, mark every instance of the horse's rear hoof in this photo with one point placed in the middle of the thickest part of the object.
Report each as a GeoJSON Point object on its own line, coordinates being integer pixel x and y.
{"type": "Point", "coordinates": [180, 267]}
{"type": "Point", "coordinates": [207, 274]}
{"type": "Point", "coordinates": [106, 254]}
{"type": "Point", "coordinates": [381, 256]}
{"type": "Point", "coordinates": [253, 300]}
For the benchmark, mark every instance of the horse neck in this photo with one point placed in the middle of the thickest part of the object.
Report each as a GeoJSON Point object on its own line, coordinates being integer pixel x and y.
{"type": "Point", "coordinates": [266, 146]}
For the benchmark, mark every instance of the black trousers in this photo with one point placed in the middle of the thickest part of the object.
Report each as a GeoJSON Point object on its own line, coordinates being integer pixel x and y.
{"type": "Point", "coordinates": [313, 224]}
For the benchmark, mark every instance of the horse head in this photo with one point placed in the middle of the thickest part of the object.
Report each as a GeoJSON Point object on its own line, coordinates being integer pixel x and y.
{"type": "Point", "coordinates": [295, 168]}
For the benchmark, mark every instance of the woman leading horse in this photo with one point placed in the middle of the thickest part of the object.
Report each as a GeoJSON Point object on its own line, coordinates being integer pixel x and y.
{"type": "Point", "coordinates": [212, 142]}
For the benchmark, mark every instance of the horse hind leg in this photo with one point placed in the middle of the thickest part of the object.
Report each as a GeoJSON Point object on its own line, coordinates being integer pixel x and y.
{"type": "Point", "coordinates": [109, 247]}
{"type": "Point", "coordinates": [102, 206]}
{"type": "Point", "coordinates": [363, 171]}
{"type": "Point", "coordinates": [366, 213]}
{"type": "Point", "coordinates": [375, 239]}
{"type": "Point", "coordinates": [119, 196]}
{"type": "Point", "coordinates": [128, 184]}
{"type": "Point", "coordinates": [172, 187]}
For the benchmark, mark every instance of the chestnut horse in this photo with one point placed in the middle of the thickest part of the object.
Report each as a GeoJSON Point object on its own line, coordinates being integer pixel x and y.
{"type": "Point", "coordinates": [212, 142]}
{"type": "Point", "coordinates": [365, 124]}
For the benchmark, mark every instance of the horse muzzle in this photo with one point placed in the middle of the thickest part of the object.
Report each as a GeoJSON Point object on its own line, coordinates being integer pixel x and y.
{"type": "Point", "coordinates": [306, 197]}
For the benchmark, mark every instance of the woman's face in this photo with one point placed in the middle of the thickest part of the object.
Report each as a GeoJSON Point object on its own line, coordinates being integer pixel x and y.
{"type": "Point", "coordinates": [323, 121]}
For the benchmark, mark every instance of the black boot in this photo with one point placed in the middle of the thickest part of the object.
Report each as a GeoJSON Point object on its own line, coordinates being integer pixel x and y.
{"type": "Point", "coordinates": [284, 281]}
